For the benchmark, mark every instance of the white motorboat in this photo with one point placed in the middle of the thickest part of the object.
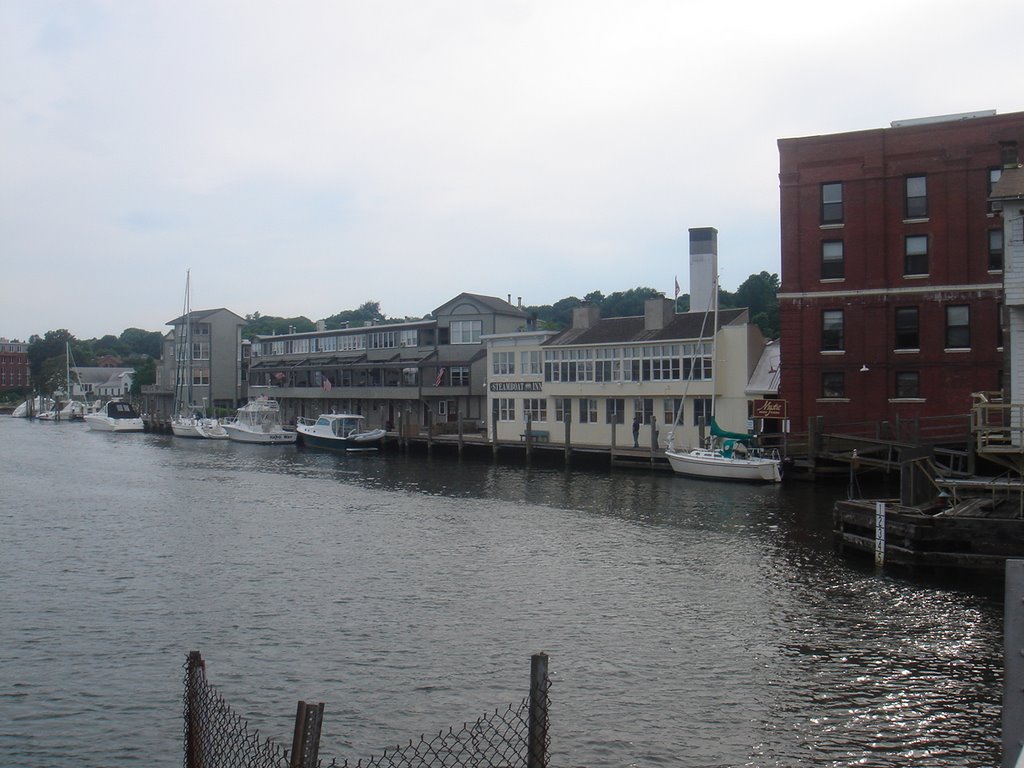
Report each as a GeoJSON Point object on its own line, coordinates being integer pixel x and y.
{"type": "Point", "coordinates": [115, 416]}
{"type": "Point", "coordinates": [33, 407]}
{"type": "Point", "coordinates": [259, 421]}
{"type": "Point", "coordinates": [339, 432]}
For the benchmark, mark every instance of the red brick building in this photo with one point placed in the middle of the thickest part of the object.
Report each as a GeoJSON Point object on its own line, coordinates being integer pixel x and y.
{"type": "Point", "coordinates": [892, 261]}
{"type": "Point", "coordinates": [14, 368]}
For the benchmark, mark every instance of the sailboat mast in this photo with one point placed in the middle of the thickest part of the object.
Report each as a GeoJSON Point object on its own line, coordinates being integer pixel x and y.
{"type": "Point", "coordinates": [714, 346]}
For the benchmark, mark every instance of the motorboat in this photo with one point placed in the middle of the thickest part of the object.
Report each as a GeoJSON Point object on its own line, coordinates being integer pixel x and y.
{"type": "Point", "coordinates": [32, 407]}
{"type": "Point", "coordinates": [115, 416]}
{"type": "Point", "coordinates": [259, 421]}
{"type": "Point", "coordinates": [339, 432]}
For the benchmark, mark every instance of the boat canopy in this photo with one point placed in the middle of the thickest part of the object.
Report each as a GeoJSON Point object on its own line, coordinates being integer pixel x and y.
{"type": "Point", "coordinates": [717, 431]}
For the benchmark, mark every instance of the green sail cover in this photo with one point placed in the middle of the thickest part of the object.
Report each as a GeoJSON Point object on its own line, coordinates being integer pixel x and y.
{"type": "Point", "coordinates": [717, 431]}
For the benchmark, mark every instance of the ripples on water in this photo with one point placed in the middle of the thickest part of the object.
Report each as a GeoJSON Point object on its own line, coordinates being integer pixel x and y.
{"type": "Point", "coordinates": [689, 624]}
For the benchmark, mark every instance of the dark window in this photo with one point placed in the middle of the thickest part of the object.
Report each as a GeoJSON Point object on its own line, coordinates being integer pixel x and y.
{"type": "Point", "coordinates": [702, 411]}
{"type": "Point", "coordinates": [916, 189]}
{"type": "Point", "coordinates": [832, 330]}
{"type": "Point", "coordinates": [999, 325]}
{"type": "Point", "coordinates": [615, 410]}
{"type": "Point", "coordinates": [907, 328]}
{"type": "Point", "coordinates": [994, 174]}
{"type": "Point", "coordinates": [832, 260]}
{"type": "Point", "coordinates": [907, 384]}
{"type": "Point", "coordinates": [833, 384]}
{"type": "Point", "coordinates": [958, 327]}
{"type": "Point", "coordinates": [645, 407]}
{"type": "Point", "coordinates": [916, 260]}
{"type": "Point", "coordinates": [832, 203]}
{"type": "Point", "coordinates": [995, 250]}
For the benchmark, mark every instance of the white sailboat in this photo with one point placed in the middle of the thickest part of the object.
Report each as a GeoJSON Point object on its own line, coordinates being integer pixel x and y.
{"type": "Point", "coordinates": [72, 409]}
{"type": "Point", "coordinates": [728, 455]}
{"type": "Point", "coordinates": [187, 420]}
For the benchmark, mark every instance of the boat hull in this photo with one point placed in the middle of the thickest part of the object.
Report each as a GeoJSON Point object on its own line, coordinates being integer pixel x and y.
{"type": "Point", "coordinates": [711, 465]}
{"type": "Point", "coordinates": [275, 437]}
{"type": "Point", "coordinates": [199, 429]}
{"type": "Point", "coordinates": [370, 441]}
{"type": "Point", "coordinates": [101, 423]}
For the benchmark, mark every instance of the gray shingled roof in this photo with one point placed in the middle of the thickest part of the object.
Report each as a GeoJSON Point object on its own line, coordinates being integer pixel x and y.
{"type": "Point", "coordinates": [1010, 185]}
{"type": "Point", "coordinates": [622, 330]}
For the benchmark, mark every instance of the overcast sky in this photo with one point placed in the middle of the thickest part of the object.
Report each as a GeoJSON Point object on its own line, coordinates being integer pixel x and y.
{"type": "Point", "coordinates": [302, 158]}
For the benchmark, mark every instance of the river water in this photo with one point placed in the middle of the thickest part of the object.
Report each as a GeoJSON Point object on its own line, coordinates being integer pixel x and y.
{"type": "Point", "coordinates": [688, 623]}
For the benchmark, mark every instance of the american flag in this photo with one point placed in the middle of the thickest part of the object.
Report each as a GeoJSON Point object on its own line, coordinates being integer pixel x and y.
{"type": "Point", "coordinates": [677, 287]}
{"type": "Point", "coordinates": [440, 377]}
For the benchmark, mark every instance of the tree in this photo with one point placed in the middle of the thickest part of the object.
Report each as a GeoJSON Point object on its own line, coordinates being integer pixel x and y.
{"type": "Point", "coordinates": [760, 294]}
{"type": "Point", "coordinates": [145, 373]}
{"type": "Point", "coordinates": [368, 312]}
{"type": "Point", "coordinates": [136, 341]}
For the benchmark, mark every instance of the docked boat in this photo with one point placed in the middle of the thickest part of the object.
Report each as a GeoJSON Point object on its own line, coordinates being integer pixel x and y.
{"type": "Point", "coordinates": [339, 432]}
{"type": "Point", "coordinates": [188, 420]}
{"type": "Point", "coordinates": [259, 421]}
{"type": "Point", "coordinates": [71, 410]}
{"type": "Point", "coordinates": [727, 455]}
{"type": "Point", "coordinates": [115, 416]}
{"type": "Point", "coordinates": [32, 407]}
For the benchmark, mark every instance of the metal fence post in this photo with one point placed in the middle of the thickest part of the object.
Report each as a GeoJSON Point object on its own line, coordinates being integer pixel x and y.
{"type": "Point", "coordinates": [537, 742]}
{"type": "Point", "coordinates": [195, 669]}
{"type": "Point", "coordinates": [1013, 663]}
{"type": "Point", "coordinates": [306, 742]}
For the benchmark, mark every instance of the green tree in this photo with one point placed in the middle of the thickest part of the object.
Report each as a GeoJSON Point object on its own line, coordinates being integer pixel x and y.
{"type": "Point", "coordinates": [145, 373]}
{"type": "Point", "coordinates": [760, 294]}
{"type": "Point", "coordinates": [136, 341]}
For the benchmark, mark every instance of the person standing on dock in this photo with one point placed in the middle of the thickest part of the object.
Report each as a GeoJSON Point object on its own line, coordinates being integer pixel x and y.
{"type": "Point", "coordinates": [636, 431]}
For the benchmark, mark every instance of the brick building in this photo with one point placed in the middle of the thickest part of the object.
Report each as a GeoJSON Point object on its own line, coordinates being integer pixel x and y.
{"type": "Point", "coordinates": [892, 268]}
{"type": "Point", "coordinates": [14, 367]}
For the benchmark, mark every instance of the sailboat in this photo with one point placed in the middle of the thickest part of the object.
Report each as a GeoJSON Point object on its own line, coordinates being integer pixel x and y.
{"type": "Point", "coordinates": [728, 455]}
{"type": "Point", "coordinates": [73, 410]}
{"type": "Point", "coordinates": [187, 420]}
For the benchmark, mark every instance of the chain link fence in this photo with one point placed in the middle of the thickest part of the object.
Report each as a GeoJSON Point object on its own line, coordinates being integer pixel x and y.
{"type": "Point", "coordinates": [216, 736]}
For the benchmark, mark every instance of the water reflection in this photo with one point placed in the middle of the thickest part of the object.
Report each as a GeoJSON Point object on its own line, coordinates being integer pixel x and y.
{"type": "Point", "coordinates": [688, 623]}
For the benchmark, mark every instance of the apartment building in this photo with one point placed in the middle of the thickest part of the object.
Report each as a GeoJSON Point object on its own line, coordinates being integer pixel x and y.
{"type": "Point", "coordinates": [892, 268]}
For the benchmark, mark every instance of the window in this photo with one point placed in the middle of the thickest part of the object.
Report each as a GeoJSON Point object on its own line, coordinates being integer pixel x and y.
{"type": "Point", "coordinates": [832, 260]}
{"type": "Point", "coordinates": [833, 384]}
{"type": "Point", "coordinates": [994, 175]}
{"type": "Point", "coordinates": [958, 327]}
{"type": "Point", "coordinates": [907, 325]}
{"type": "Point", "coordinates": [201, 376]}
{"type": "Point", "coordinates": [460, 376]}
{"type": "Point", "coordinates": [995, 250]}
{"type": "Point", "coordinates": [615, 410]}
{"type": "Point", "coordinates": [645, 407]}
{"type": "Point", "coordinates": [916, 259]}
{"type": "Point", "coordinates": [503, 363]}
{"type": "Point", "coordinates": [200, 350]}
{"type": "Point", "coordinates": [907, 384]}
{"type": "Point", "coordinates": [832, 203]}
{"type": "Point", "coordinates": [999, 325]}
{"type": "Point", "coordinates": [832, 330]}
{"type": "Point", "coordinates": [588, 410]}
{"type": "Point", "coordinates": [506, 409]}
{"type": "Point", "coordinates": [465, 331]}
{"type": "Point", "coordinates": [563, 409]}
{"type": "Point", "coordinates": [411, 377]}
{"type": "Point", "coordinates": [529, 362]}
{"type": "Point", "coordinates": [916, 197]}
{"type": "Point", "coordinates": [535, 409]}
{"type": "Point", "coordinates": [407, 338]}
{"type": "Point", "coordinates": [702, 410]}
{"type": "Point", "coordinates": [671, 408]}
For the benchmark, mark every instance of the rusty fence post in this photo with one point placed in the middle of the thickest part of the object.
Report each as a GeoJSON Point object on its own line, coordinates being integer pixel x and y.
{"type": "Point", "coordinates": [306, 741]}
{"type": "Point", "coordinates": [537, 740]}
{"type": "Point", "coordinates": [195, 674]}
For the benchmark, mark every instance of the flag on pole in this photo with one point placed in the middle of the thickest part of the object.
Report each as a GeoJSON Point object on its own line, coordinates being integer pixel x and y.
{"type": "Point", "coordinates": [440, 377]}
{"type": "Point", "coordinates": [677, 287]}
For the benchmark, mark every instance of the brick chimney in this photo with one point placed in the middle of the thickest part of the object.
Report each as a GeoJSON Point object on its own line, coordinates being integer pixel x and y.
{"type": "Point", "coordinates": [585, 316]}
